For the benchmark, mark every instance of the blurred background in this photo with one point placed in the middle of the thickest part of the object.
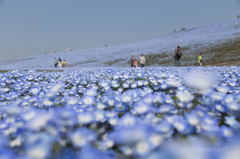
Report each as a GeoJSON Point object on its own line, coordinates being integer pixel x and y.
{"type": "Point", "coordinates": [38, 27]}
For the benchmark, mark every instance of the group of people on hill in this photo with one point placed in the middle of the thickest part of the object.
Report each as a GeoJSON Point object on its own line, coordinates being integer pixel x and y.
{"type": "Point", "coordinates": [142, 60]}
{"type": "Point", "coordinates": [178, 55]}
{"type": "Point", "coordinates": [134, 62]}
{"type": "Point", "coordinates": [58, 63]}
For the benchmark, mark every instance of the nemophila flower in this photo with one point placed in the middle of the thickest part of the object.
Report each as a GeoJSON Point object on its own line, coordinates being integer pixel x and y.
{"type": "Point", "coordinates": [115, 85]}
{"type": "Point", "coordinates": [141, 108]}
{"type": "Point", "coordinates": [226, 132]}
{"type": "Point", "coordinates": [130, 135]}
{"type": "Point", "coordinates": [38, 151]}
{"type": "Point", "coordinates": [94, 87]}
{"type": "Point", "coordinates": [39, 121]}
{"type": "Point", "coordinates": [126, 76]}
{"type": "Point", "coordinates": [56, 87]}
{"type": "Point", "coordinates": [155, 140]}
{"type": "Point", "coordinates": [129, 81]}
{"type": "Point", "coordinates": [163, 86]}
{"type": "Point", "coordinates": [206, 101]}
{"type": "Point", "coordinates": [139, 74]}
{"type": "Point", "coordinates": [200, 81]}
{"type": "Point", "coordinates": [104, 84]}
{"type": "Point", "coordinates": [11, 110]}
{"type": "Point", "coordinates": [233, 106]}
{"type": "Point", "coordinates": [115, 77]}
{"type": "Point", "coordinates": [99, 115]}
{"type": "Point", "coordinates": [106, 144]}
{"type": "Point", "coordinates": [85, 118]}
{"type": "Point", "coordinates": [120, 90]}
{"type": "Point", "coordinates": [134, 85]}
{"type": "Point", "coordinates": [110, 101]}
{"type": "Point", "coordinates": [217, 96]}
{"type": "Point", "coordinates": [164, 109]}
{"type": "Point", "coordinates": [164, 128]}
{"type": "Point", "coordinates": [142, 148]}
{"type": "Point", "coordinates": [148, 99]}
{"type": "Point", "coordinates": [125, 85]}
{"type": "Point", "coordinates": [140, 83]}
{"type": "Point", "coordinates": [148, 90]}
{"type": "Point", "coordinates": [173, 82]}
{"type": "Point", "coordinates": [82, 137]}
{"type": "Point", "coordinates": [157, 99]}
{"type": "Point", "coordinates": [145, 83]}
{"type": "Point", "coordinates": [90, 152]}
{"type": "Point", "coordinates": [128, 120]}
{"type": "Point", "coordinates": [168, 99]}
{"type": "Point", "coordinates": [47, 102]}
{"type": "Point", "coordinates": [183, 127]}
{"type": "Point", "coordinates": [72, 101]}
{"type": "Point", "coordinates": [113, 121]}
{"type": "Point", "coordinates": [4, 124]}
{"type": "Point", "coordinates": [185, 97]}
{"type": "Point", "coordinates": [4, 90]}
{"type": "Point", "coordinates": [126, 150]}
{"type": "Point", "coordinates": [88, 100]}
{"type": "Point", "coordinates": [202, 111]}
{"type": "Point", "coordinates": [221, 108]}
{"type": "Point", "coordinates": [209, 124]}
{"type": "Point", "coordinates": [28, 115]}
{"type": "Point", "coordinates": [101, 105]}
{"type": "Point", "coordinates": [33, 99]}
{"type": "Point", "coordinates": [193, 118]}
{"type": "Point", "coordinates": [107, 88]}
{"type": "Point", "coordinates": [121, 107]}
{"type": "Point", "coordinates": [232, 122]}
{"type": "Point", "coordinates": [223, 89]}
{"type": "Point", "coordinates": [126, 97]}
{"type": "Point", "coordinates": [226, 75]}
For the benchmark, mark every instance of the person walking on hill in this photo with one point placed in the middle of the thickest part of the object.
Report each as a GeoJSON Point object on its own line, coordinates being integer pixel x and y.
{"type": "Point", "coordinates": [142, 60]}
{"type": "Point", "coordinates": [59, 63]}
{"type": "Point", "coordinates": [132, 60]}
{"type": "Point", "coordinates": [200, 60]}
{"type": "Point", "coordinates": [64, 63]}
{"type": "Point", "coordinates": [55, 62]}
{"type": "Point", "coordinates": [178, 55]}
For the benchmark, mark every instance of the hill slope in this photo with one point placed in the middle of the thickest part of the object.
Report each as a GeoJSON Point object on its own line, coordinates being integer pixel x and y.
{"type": "Point", "coordinates": [220, 42]}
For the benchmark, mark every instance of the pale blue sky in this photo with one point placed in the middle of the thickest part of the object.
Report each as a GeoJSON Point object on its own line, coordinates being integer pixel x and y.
{"type": "Point", "coordinates": [31, 27]}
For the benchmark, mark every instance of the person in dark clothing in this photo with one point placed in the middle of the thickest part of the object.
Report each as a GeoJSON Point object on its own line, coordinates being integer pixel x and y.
{"type": "Point", "coordinates": [55, 62]}
{"type": "Point", "coordinates": [177, 56]}
{"type": "Point", "coordinates": [132, 60]}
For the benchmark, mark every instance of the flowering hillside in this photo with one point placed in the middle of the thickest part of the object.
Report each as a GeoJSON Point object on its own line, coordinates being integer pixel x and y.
{"type": "Point", "coordinates": [219, 42]}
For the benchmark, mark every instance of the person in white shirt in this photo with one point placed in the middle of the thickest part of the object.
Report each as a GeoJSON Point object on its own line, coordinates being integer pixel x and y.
{"type": "Point", "coordinates": [59, 63]}
{"type": "Point", "coordinates": [142, 60]}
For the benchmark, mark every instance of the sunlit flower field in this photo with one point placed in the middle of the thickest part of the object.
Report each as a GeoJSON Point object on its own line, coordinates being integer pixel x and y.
{"type": "Point", "coordinates": [122, 113]}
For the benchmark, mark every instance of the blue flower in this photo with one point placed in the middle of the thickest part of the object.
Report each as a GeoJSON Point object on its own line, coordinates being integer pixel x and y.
{"type": "Point", "coordinates": [125, 85]}
{"type": "Point", "coordinates": [183, 127]}
{"type": "Point", "coordinates": [82, 137]}
{"type": "Point", "coordinates": [221, 108]}
{"type": "Point", "coordinates": [141, 108]}
{"type": "Point", "coordinates": [121, 107]}
{"type": "Point", "coordinates": [232, 122]}
{"type": "Point", "coordinates": [226, 132]}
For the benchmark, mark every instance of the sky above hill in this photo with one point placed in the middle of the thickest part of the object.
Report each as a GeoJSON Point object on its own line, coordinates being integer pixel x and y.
{"type": "Point", "coordinates": [35, 27]}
